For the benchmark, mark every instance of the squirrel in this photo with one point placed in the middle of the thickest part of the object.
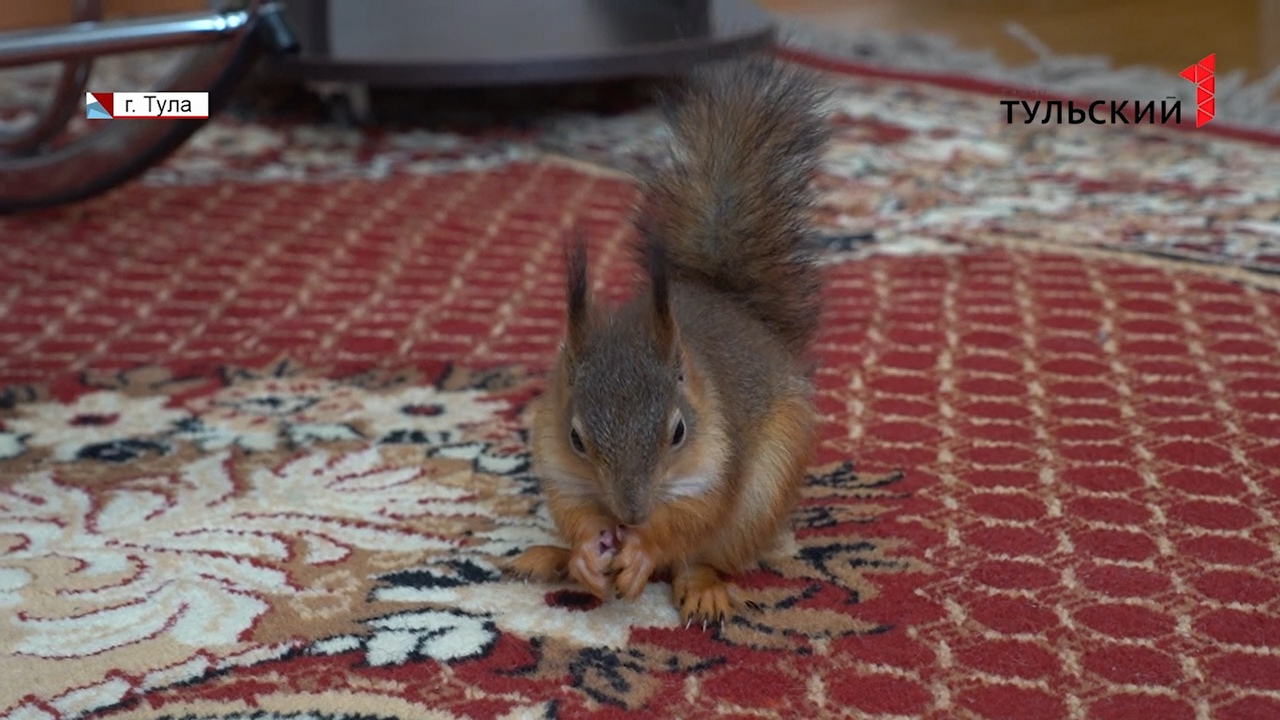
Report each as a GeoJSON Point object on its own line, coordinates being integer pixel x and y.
{"type": "Point", "coordinates": [675, 431]}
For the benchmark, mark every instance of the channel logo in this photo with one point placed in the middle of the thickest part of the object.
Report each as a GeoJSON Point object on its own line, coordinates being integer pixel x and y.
{"type": "Point", "coordinates": [1202, 75]}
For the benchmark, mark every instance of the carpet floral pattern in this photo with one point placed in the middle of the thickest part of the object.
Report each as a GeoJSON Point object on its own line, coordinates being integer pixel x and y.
{"type": "Point", "coordinates": [262, 432]}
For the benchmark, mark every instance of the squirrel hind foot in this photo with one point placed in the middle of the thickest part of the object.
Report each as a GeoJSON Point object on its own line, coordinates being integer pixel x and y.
{"type": "Point", "coordinates": [703, 597]}
{"type": "Point", "coordinates": [540, 563]}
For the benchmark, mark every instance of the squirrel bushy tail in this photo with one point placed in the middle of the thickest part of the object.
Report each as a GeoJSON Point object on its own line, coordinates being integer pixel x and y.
{"type": "Point", "coordinates": [731, 207]}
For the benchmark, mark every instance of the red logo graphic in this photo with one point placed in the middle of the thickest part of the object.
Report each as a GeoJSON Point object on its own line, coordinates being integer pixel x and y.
{"type": "Point", "coordinates": [1202, 75]}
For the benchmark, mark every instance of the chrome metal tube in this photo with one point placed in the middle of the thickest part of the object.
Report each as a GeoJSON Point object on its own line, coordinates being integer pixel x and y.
{"type": "Point", "coordinates": [96, 38]}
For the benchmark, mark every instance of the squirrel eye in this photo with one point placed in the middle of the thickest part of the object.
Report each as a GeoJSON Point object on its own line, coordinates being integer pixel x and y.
{"type": "Point", "coordinates": [677, 436]}
{"type": "Point", "coordinates": [576, 440]}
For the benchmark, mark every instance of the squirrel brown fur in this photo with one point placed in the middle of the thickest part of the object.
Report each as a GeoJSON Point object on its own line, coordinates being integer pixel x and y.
{"type": "Point", "coordinates": [675, 431]}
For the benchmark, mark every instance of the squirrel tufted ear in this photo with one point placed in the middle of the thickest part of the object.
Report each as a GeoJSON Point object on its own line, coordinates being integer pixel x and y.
{"type": "Point", "coordinates": [666, 334]}
{"type": "Point", "coordinates": [576, 294]}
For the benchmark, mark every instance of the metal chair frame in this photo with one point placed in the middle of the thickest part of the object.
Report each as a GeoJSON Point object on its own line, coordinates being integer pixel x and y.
{"type": "Point", "coordinates": [38, 171]}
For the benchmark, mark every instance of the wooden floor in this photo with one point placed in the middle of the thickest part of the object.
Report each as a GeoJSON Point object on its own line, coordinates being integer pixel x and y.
{"type": "Point", "coordinates": [23, 14]}
{"type": "Point", "coordinates": [1168, 34]}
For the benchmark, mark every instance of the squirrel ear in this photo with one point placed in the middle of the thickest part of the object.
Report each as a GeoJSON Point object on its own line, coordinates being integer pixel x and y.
{"type": "Point", "coordinates": [666, 334]}
{"type": "Point", "coordinates": [576, 294]}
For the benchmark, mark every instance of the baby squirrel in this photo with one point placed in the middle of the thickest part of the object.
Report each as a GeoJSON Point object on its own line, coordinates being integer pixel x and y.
{"type": "Point", "coordinates": [675, 431]}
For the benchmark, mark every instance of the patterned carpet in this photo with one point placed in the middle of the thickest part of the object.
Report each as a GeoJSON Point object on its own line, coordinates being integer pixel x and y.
{"type": "Point", "coordinates": [263, 438]}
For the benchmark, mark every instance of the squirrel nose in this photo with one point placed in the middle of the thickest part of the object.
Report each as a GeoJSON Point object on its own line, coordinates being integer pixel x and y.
{"type": "Point", "coordinates": [631, 517]}
{"type": "Point", "coordinates": [630, 509]}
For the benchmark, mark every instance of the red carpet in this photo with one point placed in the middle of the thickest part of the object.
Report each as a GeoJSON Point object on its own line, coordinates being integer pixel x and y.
{"type": "Point", "coordinates": [262, 433]}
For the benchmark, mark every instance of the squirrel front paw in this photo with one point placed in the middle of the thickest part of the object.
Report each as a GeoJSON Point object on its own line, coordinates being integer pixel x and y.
{"type": "Point", "coordinates": [590, 561]}
{"type": "Point", "coordinates": [635, 564]}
